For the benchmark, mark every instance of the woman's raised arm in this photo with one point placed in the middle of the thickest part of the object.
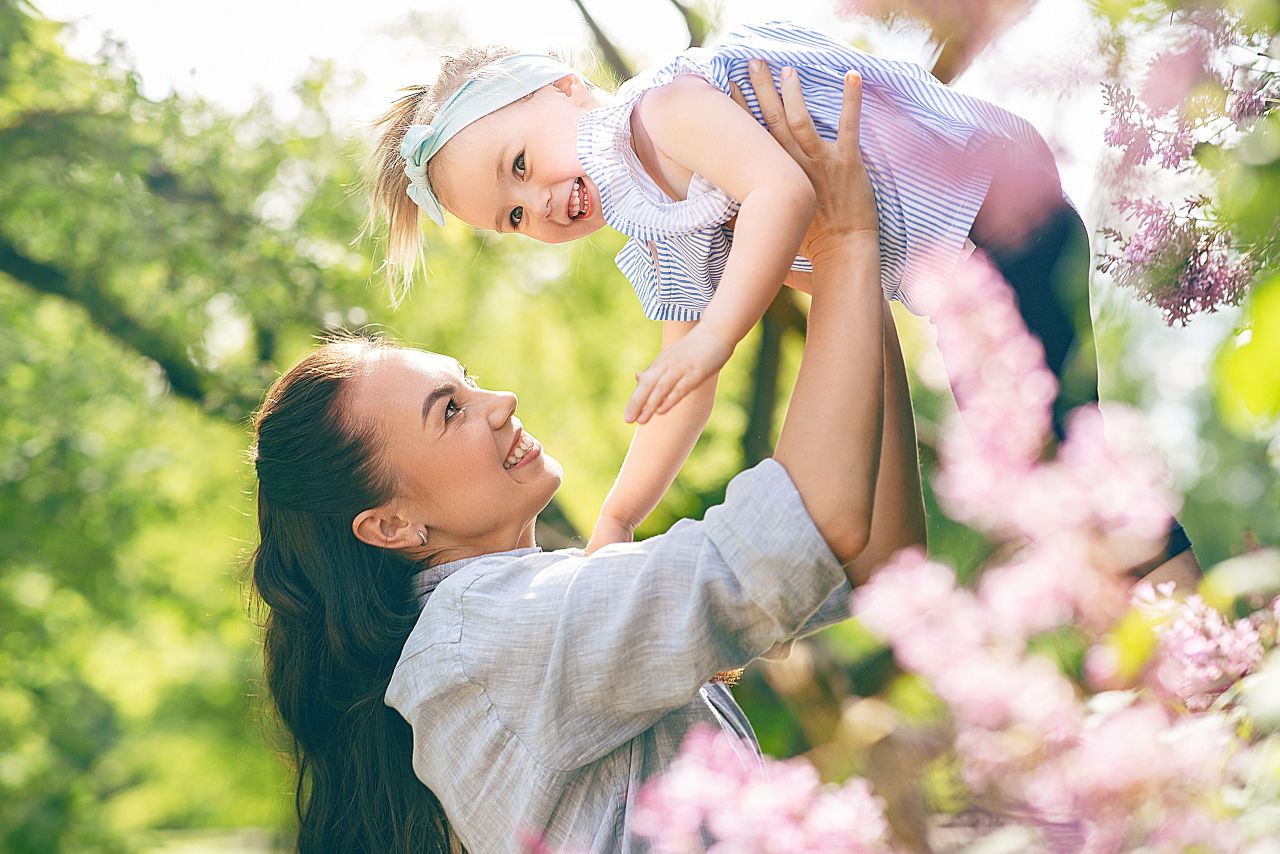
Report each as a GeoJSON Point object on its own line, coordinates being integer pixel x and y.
{"type": "Point", "coordinates": [835, 429]}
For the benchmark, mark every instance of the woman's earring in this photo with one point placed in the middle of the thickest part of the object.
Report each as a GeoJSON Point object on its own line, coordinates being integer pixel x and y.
{"type": "Point", "coordinates": [422, 535]}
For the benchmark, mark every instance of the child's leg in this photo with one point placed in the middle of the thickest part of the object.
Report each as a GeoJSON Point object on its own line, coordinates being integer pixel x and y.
{"type": "Point", "coordinates": [1048, 268]}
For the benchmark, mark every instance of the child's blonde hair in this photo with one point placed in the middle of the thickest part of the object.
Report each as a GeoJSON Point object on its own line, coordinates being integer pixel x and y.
{"type": "Point", "coordinates": [389, 195]}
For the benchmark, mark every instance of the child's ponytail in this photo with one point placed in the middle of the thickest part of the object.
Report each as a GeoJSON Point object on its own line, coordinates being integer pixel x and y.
{"type": "Point", "coordinates": [389, 196]}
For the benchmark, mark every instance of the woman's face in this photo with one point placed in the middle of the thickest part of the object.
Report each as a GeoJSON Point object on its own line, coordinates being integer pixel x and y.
{"type": "Point", "coordinates": [465, 470]}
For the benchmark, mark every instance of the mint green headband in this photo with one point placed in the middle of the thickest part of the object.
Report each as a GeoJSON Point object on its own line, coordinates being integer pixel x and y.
{"type": "Point", "coordinates": [515, 77]}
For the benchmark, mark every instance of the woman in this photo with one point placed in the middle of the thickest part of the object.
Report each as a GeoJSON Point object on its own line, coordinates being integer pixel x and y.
{"type": "Point", "coordinates": [418, 636]}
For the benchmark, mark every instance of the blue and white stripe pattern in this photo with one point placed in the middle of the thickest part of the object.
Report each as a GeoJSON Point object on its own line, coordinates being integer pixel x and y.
{"type": "Point", "coordinates": [930, 152]}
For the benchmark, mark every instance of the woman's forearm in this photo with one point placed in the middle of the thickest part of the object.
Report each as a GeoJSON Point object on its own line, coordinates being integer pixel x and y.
{"type": "Point", "coordinates": [898, 520]}
{"type": "Point", "coordinates": [832, 436]}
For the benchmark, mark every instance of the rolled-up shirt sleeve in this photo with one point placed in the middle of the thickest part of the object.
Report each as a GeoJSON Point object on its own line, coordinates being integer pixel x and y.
{"type": "Point", "coordinates": [580, 654]}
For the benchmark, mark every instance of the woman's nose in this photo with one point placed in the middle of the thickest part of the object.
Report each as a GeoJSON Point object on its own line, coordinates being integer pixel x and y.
{"type": "Point", "coordinates": [504, 406]}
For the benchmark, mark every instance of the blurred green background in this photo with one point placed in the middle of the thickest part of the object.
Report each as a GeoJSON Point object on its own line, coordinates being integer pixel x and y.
{"type": "Point", "coordinates": [163, 258]}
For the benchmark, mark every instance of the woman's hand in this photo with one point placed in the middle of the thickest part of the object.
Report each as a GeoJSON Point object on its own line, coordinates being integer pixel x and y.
{"type": "Point", "coordinates": [846, 204]}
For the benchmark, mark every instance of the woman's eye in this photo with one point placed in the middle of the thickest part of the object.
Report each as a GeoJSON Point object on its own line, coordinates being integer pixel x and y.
{"type": "Point", "coordinates": [518, 166]}
{"type": "Point", "coordinates": [516, 215]}
{"type": "Point", "coordinates": [451, 409]}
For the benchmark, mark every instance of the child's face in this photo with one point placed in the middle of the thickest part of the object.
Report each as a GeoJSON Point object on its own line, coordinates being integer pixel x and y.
{"type": "Point", "coordinates": [517, 170]}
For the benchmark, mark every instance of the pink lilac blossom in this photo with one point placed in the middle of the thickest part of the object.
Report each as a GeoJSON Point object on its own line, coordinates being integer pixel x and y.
{"type": "Point", "coordinates": [1218, 26]}
{"type": "Point", "coordinates": [1081, 520]}
{"type": "Point", "coordinates": [1136, 777]}
{"type": "Point", "coordinates": [1187, 264]}
{"type": "Point", "coordinates": [1179, 145]}
{"type": "Point", "coordinates": [1200, 653]}
{"type": "Point", "coordinates": [1002, 387]}
{"type": "Point", "coordinates": [1177, 261]}
{"type": "Point", "coordinates": [1129, 129]}
{"type": "Point", "coordinates": [1110, 470]}
{"type": "Point", "coordinates": [915, 604]}
{"type": "Point", "coordinates": [1249, 102]}
{"type": "Point", "coordinates": [1097, 504]}
{"type": "Point", "coordinates": [710, 799]}
{"type": "Point", "coordinates": [1006, 707]}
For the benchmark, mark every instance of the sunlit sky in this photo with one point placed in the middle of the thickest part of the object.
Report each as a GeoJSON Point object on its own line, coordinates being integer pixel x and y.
{"type": "Point", "coordinates": [235, 51]}
{"type": "Point", "coordinates": [232, 51]}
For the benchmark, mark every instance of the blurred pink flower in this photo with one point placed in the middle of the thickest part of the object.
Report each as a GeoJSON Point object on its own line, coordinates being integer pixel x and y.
{"type": "Point", "coordinates": [1111, 470]}
{"type": "Point", "coordinates": [1098, 504]}
{"type": "Point", "coordinates": [1102, 668]}
{"type": "Point", "coordinates": [1029, 595]}
{"type": "Point", "coordinates": [710, 799]}
{"type": "Point", "coordinates": [1172, 75]}
{"type": "Point", "coordinates": [1137, 776]}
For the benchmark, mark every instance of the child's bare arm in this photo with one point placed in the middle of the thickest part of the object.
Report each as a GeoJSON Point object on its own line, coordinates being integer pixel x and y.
{"type": "Point", "coordinates": [658, 449]}
{"type": "Point", "coordinates": [698, 126]}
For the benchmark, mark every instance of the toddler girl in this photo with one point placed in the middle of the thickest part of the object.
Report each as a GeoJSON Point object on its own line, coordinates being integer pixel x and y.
{"type": "Point", "coordinates": [715, 209]}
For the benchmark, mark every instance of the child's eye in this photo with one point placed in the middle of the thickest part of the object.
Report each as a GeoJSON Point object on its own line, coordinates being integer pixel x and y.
{"type": "Point", "coordinates": [518, 165]}
{"type": "Point", "coordinates": [515, 216]}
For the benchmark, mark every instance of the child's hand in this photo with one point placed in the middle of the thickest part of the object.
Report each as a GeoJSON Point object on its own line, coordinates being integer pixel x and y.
{"type": "Point", "coordinates": [608, 530]}
{"type": "Point", "coordinates": [679, 369]}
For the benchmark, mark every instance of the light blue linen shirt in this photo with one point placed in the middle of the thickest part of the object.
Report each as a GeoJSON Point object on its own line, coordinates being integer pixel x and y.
{"type": "Point", "coordinates": [544, 687]}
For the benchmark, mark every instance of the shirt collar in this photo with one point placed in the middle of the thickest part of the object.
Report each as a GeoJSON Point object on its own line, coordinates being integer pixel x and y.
{"type": "Point", "coordinates": [425, 582]}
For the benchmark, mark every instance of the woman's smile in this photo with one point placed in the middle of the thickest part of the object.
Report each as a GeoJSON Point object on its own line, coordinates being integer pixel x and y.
{"type": "Point", "coordinates": [524, 454]}
{"type": "Point", "coordinates": [523, 448]}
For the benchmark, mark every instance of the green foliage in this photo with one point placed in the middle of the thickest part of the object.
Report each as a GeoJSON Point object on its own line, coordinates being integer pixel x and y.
{"type": "Point", "coordinates": [1248, 384]}
{"type": "Point", "coordinates": [160, 263]}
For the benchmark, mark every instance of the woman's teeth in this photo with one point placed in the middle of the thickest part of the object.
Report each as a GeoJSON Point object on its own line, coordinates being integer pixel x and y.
{"type": "Point", "coordinates": [526, 442]}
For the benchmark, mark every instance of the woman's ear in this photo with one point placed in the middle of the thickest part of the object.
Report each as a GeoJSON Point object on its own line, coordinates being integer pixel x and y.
{"type": "Point", "coordinates": [381, 527]}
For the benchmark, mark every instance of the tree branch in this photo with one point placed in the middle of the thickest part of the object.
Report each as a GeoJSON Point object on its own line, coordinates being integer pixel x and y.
{"type": "Point", "coordinates": [960, 44]}
{"type": "Point", "coordinates": [185, 379]}
{"type": "Point", "coordinates": [693, 22]}
{"type": "Point", "coordinates": [612, 55]}
{"type": "Point", "coordinates": [783, 315]}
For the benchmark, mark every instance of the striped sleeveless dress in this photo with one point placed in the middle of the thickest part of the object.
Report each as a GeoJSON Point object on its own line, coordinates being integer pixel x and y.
{"type": "Point", "coordinates": [930, 153]}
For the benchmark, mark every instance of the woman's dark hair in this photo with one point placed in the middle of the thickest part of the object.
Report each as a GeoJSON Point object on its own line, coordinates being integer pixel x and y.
{"type": "Point", "coordinates": [339, 612]}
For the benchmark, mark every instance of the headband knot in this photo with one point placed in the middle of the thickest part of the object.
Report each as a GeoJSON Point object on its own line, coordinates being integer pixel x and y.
{"type": "Point", "coordinates": [513, 77]}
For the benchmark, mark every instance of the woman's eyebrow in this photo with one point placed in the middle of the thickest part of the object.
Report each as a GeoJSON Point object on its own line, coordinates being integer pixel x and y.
{"type": "Point", "coordinates": [443, 390]}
